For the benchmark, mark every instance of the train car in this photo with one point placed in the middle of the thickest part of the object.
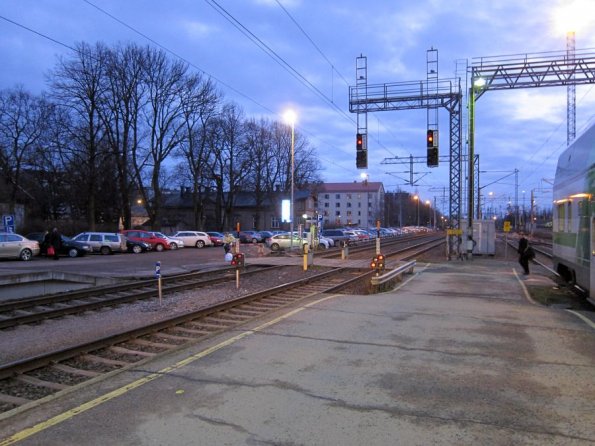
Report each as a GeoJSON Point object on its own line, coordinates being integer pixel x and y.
{"type": "Point", "coordinates": [574, 213]}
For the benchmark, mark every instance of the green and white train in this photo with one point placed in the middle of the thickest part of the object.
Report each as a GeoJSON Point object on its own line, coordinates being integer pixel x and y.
{"type": "Point", "coordinates": [574, 213]}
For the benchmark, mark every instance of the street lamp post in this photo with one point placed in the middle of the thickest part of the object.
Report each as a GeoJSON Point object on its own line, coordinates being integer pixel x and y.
{"type": "Point", "coordinates": [429, 214]}
{"type": "Point", "coordinates": [416, 198]}
{"type": "Point", "coordinates": [290, 119]}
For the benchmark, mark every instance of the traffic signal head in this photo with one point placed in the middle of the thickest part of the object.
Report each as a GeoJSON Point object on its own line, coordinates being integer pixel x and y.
{"type": "Point", "coordinates": [359, 141]}
{"type": "Point", "coordinates": [237, 260]}
{"type": "Point", "coordinates": [361, 159]}
{"type": "Point", "coordinates": [377, 262]}
{"type": "Point", "coordinates": [432, 138]}
{"type": "Point", "coordinates": [432, 160]}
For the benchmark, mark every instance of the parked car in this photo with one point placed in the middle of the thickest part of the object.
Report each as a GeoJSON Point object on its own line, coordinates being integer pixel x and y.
{"type": "Point", "coordinates": [285, 241]}
{"type": "Point", "coordinates": [338, 236]}
{"type": "Point", "coordinates": [138, 235]}
{"type": "Point", "coordinates": [265, 235]}
{"type": "Point", "coordinates": [174, 243]}
{"type": "Point", "coordinates": [353, 237]}
{"type": "Point", "coordinates": [103, 242]}
{"type": "Point", "coordinates": [69, 247]}
{"type": "Point", "coordinates": [15, 246]}
{"type": "Point", "coordinates": [250, 237]}
{"type": "Point", "coordinates": [137, 247]}
{"type": "Point", "coordinates": [194, 238]}
{"type": "Point", "coordinates": [216, 238]}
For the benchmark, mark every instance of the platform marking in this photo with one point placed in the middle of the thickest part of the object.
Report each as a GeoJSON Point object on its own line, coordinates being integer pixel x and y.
{"type": "Point", "coordinates": [26, 433]}
{"type": "Point", "coordinates": [588, 321]}
{"type": "Point", "coordinates": [525, 290]}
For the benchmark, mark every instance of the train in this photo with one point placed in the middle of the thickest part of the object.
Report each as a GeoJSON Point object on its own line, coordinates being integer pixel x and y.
{"type": "Point", "coordinates": [574, 213]}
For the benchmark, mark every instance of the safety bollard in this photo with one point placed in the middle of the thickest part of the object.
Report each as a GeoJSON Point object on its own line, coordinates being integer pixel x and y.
{"type": "Point", "coordinates": [345, 251]}
{"type": "Point", "coordinates": [158, 277]}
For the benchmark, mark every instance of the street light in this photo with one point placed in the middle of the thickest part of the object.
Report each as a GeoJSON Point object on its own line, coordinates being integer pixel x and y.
{"type": "Point", "coordinates": [416, 198]}
{"type": "Point", "coordinates": [290, 118]}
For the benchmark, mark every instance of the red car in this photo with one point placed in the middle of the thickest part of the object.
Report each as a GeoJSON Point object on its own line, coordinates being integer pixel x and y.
{"type": "Point", "coordinates": [216, 238]}
{"type": "Point", "coordinates": [157, 243]}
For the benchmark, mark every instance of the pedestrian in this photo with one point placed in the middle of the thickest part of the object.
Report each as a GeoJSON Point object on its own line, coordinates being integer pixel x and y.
{"type": "Point", "coordinates": [526, 253]}
{"type": "Point", "coordinates": [55, 242]}
{"type": "Point", "coordinates": [228, 241]}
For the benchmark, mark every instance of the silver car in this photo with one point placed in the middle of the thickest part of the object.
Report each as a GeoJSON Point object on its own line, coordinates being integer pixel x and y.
{"type": "Point", "coordinates": [15, 246]}
{"type": "Point", "coordinates": [285, 241]}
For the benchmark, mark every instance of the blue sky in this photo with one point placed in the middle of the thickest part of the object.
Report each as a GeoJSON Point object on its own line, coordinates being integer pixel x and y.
{"type": "Point", "coordinates": [320, 40]}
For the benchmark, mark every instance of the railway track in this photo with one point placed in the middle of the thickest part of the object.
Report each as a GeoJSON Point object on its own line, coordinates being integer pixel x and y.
{"type": "Point", "coordinates": [28, 380]}
{"type": "Point", "coordinates": [37, 309]}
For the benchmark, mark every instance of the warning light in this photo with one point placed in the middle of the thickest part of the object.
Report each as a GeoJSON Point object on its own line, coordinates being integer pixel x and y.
{"type": "Point", "coordinates": [432, 138]}
{"type": "Point", "coordinates": [361, 154]}
{"type": "Point", "coordinates": [237, 260]}
{"type": "Point", "coordinates": [377, 262]}
{"type": "Point", "coordinates": [359, 141]}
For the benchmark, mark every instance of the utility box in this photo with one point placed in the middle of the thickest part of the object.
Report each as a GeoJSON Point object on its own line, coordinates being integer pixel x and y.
{"type": "Point", "coordinates": [484, 235]}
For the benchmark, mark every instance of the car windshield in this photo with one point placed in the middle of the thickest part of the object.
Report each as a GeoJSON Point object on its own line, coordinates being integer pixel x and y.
{"type": "Point", "coordinates": [159, 235]}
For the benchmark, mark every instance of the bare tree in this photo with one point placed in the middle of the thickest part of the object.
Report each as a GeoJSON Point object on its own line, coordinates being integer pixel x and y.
{"type": "Point", "coordinates": [23, 118]}
{"type": "Point", "coordinates": [199, 108]}
{"type": "Point", "coordinates": [163, 116]}
{"type": "Point", "coordinates": [230, 161]}
{"type": "Point", "coordinates": [78, 85]}
{"type": "Point", "coordinates": [120, 112]}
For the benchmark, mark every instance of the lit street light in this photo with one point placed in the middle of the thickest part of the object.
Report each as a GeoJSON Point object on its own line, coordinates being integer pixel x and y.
{"type": "Point", "coordinates": [416, 198]}
{"type": "Point", "coordinates": [290, 119]}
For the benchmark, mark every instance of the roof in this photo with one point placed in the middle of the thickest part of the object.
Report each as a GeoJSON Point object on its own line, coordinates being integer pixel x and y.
{"type": "Point", "coordinates": [369, 186]}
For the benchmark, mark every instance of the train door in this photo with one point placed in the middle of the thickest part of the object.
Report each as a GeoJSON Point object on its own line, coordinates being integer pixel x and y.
{"type": "Point", "coordinates": [592, 265]}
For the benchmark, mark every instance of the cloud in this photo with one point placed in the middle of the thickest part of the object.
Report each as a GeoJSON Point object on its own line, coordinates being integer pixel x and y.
{"type": "Point", "coordinates": [195, 29]}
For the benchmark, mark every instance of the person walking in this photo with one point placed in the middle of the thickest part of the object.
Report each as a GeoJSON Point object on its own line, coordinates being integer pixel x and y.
{"type": "Point", "coordinates": [55, 242]}
{"type": "Point", "coordinates": [525, 254]}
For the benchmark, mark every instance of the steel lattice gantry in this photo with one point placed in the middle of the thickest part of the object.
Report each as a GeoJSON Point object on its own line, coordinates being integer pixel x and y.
{"type": "Point", "coordinates": [364, 98]}
{"type": "Point", "coordinates": [551, 69]}
{"type": "Point", "coordinates": [533, 70]}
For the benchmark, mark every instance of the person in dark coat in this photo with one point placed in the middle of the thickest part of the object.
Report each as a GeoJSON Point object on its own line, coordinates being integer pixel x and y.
{"type": "Point", "coordinates": [46, 242]}
{"type": "Point", "coordinates": [524, 254]}
{"type": "Point", "coordinates": [56, 242]}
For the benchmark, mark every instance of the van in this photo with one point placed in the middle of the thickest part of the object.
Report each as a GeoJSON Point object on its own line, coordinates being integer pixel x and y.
{"type": "Point", "coordinates": [103, 242]}
{"type": "Point", "coordinates": [338, 236]}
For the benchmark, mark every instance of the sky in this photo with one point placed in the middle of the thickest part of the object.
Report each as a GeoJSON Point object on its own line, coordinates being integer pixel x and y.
{"type": "Point", "coordinates": [315, 45]}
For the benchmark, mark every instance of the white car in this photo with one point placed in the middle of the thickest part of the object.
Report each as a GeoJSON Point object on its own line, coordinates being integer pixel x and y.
{"type": "Point", "coordinates": [193, 238]}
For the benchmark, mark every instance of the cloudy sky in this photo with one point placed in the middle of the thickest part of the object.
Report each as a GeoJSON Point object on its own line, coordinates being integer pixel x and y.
{"type": "Point", "coordinates": [314, 45]}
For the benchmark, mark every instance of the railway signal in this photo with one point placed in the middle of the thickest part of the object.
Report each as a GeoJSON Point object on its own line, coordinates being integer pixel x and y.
{"type": "Point", "coordinates": [432, 143]}
{"type": "Point", "coordinates": [361, 152]}
{"type": "Point", "coordinates": [377, 263]}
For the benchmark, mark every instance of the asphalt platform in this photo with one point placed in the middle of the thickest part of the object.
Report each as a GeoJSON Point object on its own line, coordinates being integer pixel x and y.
{"type": "Point", "coordinates": [458, 354]}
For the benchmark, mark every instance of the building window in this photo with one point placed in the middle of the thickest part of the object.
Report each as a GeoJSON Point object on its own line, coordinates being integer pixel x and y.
{"type": "Point", "coordinates": [359, 205]}
{"type": "Point", "coordinates": [337, 205]}
{"type": "Point", "coordinates": [274, 223]}
{"type": "Point", "coordinates": [338, 213]}
{"type": "Point", "coordinates": [325, 205]}
{"type": "Point", "coordinates": [338, 196]}
{"type": "Point", "coordinates": [349, 213]}
{"type": "Point", "coordinates": [359, 212]}
{"type": "Point", "coordinates": [326, 196]}
{"type": "Point", "coordinates": [349, 196]}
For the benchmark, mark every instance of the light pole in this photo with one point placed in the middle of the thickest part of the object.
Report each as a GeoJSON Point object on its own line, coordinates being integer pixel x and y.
{"type": "Point", "coordinates": [416, 198]}
{"type": "Point", "coordinates": [429, 214]}
{"type": "Point", "coordinates": [290, 119]}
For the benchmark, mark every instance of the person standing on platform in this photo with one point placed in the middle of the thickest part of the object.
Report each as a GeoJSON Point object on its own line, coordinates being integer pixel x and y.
{"type": "Point", "coordinates": [56, 242]}
{"type": "Point", "coordinates": [228, 241]}
{"type": "Point", "coordinates": [525, 254]}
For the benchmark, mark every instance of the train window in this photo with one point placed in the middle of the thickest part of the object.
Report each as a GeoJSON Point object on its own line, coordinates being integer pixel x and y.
{"type": "Point", "coordinates": [592, 238]}
{"type": "Point", "coordinates": [569, 217]}
{"type": "Point", "coordinates": [561, 217]}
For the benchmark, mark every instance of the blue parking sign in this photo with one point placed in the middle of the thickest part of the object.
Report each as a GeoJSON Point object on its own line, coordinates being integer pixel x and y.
{"type": "Point", "coordinates": [8, 221]}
